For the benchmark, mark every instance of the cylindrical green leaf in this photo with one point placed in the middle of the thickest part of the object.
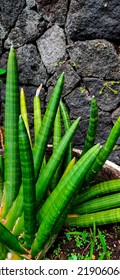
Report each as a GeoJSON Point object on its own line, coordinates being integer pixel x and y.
{"type": "Point", "coordinates": [54, 233]}
{"type": "Point", "coordinates": [70, 165]}
{"type": "Point", "coordinates": [97, 204]}
{"type": "Point", "coordinates": [15, 210]}
{"type": "Point", "coordinates": [56, 141]}
{"type": "Point", "coordinates": [24, 114]}
{"type": "Point", "coordinates": [92, 126]}
{"type": "Point", "coordinates": [11, 149]}
{"type": "Point", "coordinates": [46, 126]}
{"type": "Point", "coordinates": [37, 112]}
{"type": "Point", "coordinates": [17, 207]}
{"type": "Point", "coordinates": [38, 117]}
{"type": "Point", "coordinates": [10, 241]}
{"type": "Point", "coordinates": [28, 182]}
{"type": "Point", "coordinates": [100, 189]}
{"type": "Point", "coordinates": [67, 124]}
{"type": "Point", "coordinates": [104, 152]}
{"type": "Point", "coordinates": [99, 218]}
{"type": "Point", "coordinates": [19, 226]}
{"type": "Point", "coordinates": [57, 130]}
{"type": "Point", "coordinates": [46, 175]}
{"type": "Point", "coordinates": [42, 183]}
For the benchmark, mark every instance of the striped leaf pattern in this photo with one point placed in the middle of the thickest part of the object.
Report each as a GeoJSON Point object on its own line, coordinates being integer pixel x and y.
{"type": "Point", "coordinates": [28, 183]}
{"type": "Point", "coordinates": [92, 126]}
{"type": "Point", "coordinates": [12, 172]}
{"type": "Point", "coordinates": [59, 199]}
{"type": "Point", "coordinates": [46, 126]}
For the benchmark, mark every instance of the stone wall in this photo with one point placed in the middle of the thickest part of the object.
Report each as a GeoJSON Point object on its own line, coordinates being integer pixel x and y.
{"type": "Point", "coordinates": [81, 38]}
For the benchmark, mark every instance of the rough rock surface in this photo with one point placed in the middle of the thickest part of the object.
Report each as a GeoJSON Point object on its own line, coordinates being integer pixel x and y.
{"type": "Point", "coordinates": [9, 11]}
{"type": "Point", "coordinates": [30, 3]}
{"type": "Point", "coordinates": [93, 19]}
{"type": "Point", "coordinates": [115, 114]}
{"type": "Point", "coordinates": [29, 26]}
{"type": "Point", "coordinates": [106, 92]}
{"type": "Point", "coordinates": [0, 47]}
{"type": "Point", "coordinates": [54, 11]}
{"type": "Point", "coordinates": [71, 79]}
{"type": "Point", "coordinates": [31, 68]}
{"type": "Point", "coordinates": [52, 47]}
{"type": "Point", "coordinates": [81, 38]}
{"type": "Point", "coordinates": [97, 58]}
{"type": "Point", "coordinates": [78, 103]}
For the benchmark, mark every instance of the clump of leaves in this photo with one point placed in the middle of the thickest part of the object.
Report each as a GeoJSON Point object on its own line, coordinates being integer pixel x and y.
{"type": "Point", "coordinates": [39, 193]}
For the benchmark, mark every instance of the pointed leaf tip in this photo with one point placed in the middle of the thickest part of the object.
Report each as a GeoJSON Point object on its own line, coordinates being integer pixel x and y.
{"type": "Point", "coordinates": [39, 90]}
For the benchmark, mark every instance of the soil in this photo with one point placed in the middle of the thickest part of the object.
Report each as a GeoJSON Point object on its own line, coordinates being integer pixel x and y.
{"type": "Point", "coordinates": [77, 247]}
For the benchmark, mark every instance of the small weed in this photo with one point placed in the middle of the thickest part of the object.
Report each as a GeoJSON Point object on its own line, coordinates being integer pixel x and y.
{"type": "Point", "coordinates": [94, 243]}
{"type": "Point", "coordinates": [83, 89]}
{"type": "Point", "coordinates": [109, 85]}
{"type": "Point", "coordinates": [69, 238]}
{"type": "Point", "coordinates": [117, 229]}
{"type": "Point", "coordinates": [72, 257]}
{"type": "Point", "coordinates": [79, 237]}
{"type": "Point", "coordinates": [83, 245]}
{"type": "Point", "coordinates": [78, 241]}
{"type": "Point", "coordinates": [73, 64]}
{"type": "Point", "coordinates": [56, 252]}
{"type": "Point", "coordinates": [59, 63]}
{"type": "Point", "coordinates": [77, 256]}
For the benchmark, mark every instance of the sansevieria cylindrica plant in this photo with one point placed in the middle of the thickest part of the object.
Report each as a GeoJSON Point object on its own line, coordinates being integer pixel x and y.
{"type": "Point", "coordinates": [41, 194]}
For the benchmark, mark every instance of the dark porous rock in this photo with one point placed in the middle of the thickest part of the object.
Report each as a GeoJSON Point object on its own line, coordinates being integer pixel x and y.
{"type": "Point", "coordinates": [107, 93]}
{"type": "Point", "coordinates": [52, 47]}
{"type": "Point", "coordinates": [93, 19]}
{"type": "Point", "coordinates": [104, 126]}
{"type": "Point", "coordinates": [29, 26]}
{"type": "Point", "coordinates": [115, 156]}
{"type": "Point", "coordinates": [71, 79]}
{"type": "Point", "coordinates": [79, 106]}
{"type": "Point", "coordinates": [9, 11]}
{"type": "Point", "coordinates": [31, 3]}
{"type": "Point", "coordinates": [54, 11]}
{"type": "Point", "coordinates": [78, 103]}
{"type": "Point", "coordinates": [115, 114]}
{"type": "Point", "coordinates": [0, 47]}
{"type": "Point", "coordinates": [95, 58]}
{"type": "Point", "coordinates": [2, 92]}
{"type": "Point", "coordinates": [3, 32]}
{"type": "Point", "coordinates": [31, 69]}
{"type": "Point", "coordinates": [3, 60]}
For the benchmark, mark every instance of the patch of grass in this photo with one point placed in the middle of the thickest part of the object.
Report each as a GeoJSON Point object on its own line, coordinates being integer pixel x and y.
{"type": "Point", "coordinates": [90, 244]}
{"type": "Point", "coordinates": [79, 237]}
